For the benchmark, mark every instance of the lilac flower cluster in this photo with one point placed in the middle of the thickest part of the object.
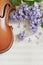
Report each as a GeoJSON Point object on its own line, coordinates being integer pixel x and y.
{"type": "Point", "coordinates": [35, 17]}
{"type": "Point", "coordinates": [21, 36]}
{"type": "Point", "coordinates": [20, 14]}
{"type": "Point", "coordinates": [32, 13]}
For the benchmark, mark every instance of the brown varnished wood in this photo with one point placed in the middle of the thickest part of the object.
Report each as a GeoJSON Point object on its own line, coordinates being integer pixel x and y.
{"type": "Point", "coordinates": [6, 35]}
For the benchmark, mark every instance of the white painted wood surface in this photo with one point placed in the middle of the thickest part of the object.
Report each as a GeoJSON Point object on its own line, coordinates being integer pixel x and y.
{"type": "Point", "coordinates": [24, 52]}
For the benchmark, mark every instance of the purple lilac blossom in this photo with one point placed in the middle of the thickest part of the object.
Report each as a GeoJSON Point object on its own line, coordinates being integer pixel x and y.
{"type": "Point", "coordinates": [32, 13]}
{"type": "Point", "coordinates": [21, 36]}
{"type": "Point", "coordinates": [33, 26]}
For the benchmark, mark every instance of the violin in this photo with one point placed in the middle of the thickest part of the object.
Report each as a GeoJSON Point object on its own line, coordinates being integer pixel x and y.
{"type": "Point", "coordinates": [6, 34]}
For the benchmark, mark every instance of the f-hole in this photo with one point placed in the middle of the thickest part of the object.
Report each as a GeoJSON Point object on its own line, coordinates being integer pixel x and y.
{"type": "Point", "coordinates": [4, 10]}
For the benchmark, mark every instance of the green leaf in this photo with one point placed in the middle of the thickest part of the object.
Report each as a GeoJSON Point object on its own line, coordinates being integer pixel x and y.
{"type": "Point", "coordinates": [31, 2]}
{"type": "Point", "coordinates": [27, 0]}
{"type": "Point", "coordinates": [38, 0]}
{"type": "Point", "coordinates": [15, 2]}
{"type": "Point", "coordinates": [42, 25]}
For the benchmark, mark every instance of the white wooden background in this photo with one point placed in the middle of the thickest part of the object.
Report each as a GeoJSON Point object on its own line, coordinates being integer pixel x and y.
{"type": "Point", "coordinates": [26, 52]}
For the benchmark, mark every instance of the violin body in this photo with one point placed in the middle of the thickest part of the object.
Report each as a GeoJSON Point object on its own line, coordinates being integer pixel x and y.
{"type": "Point", "coordinates": [6, 34]}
